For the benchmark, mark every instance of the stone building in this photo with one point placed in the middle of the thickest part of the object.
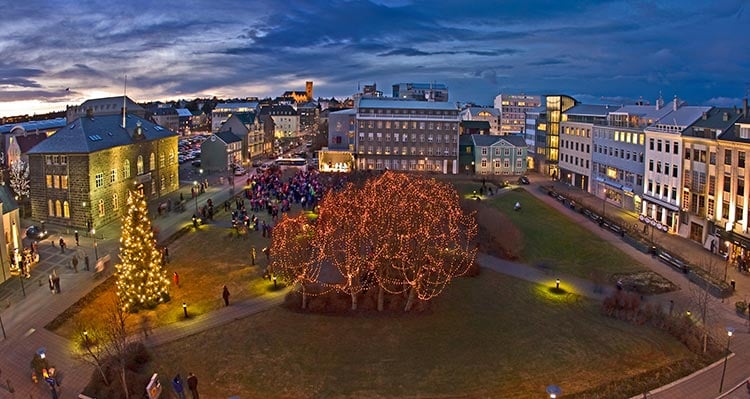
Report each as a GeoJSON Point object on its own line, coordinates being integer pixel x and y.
{"type": "Point", "coordinates": [80, 176]}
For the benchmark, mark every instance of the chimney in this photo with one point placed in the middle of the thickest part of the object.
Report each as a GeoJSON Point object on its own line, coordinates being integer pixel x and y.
{"type": "Point", "coordinates": [744, 107]}
{"type": "Point", "coordinates": [659, 102]}
{"type": "Point", "coordinates": [726, 116]}
{"type": "Point", "coordinates": [705, 115]}
{"type": "Point", "coordinates": [674, 103]}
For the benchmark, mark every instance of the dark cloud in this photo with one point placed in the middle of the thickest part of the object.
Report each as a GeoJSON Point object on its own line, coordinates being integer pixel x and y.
{"type": "Point", "coordinates": [617, 49]}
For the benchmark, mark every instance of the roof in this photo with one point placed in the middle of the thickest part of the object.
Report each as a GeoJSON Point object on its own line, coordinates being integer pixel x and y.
{"type": "Point", "coordinates": [282, 110]}
{"type": "Point", "coordinates": [434, 86]}
{"type": "Point", "coordinates": [6, 197]}
{"type": "Point", "coordinates": [389, 102]}
{"type": "Point", "coordinates": [476, 110]}
{"type": "Point", "coordinates": [348, 111]}
{"type": "Point", "coordinates": [227, 137]}
{"type": "Point", "coordinates": [27, 142]}
{"type": "Point", "coordinates": [591, 110]}
{"type": "Point", "coordinates": [464, 140]}
{"type": "Point", "coordinates": [47, 124]}
{"type": "Point", "coordinates": [294, 93]}
{"type": "Point", "coordinates": [184, 112]}
{"type": "Point", "coordinates": [476, 124]}
{"type": "Point", "coordinates": [86, 135]}
{"type": "Point", "coordinates": [164, 111]}
{"type": "Point", "coordinates": [683, 117]}
{"type": "Point", "coordinates": [247, 118]}
{"type": "Point", "coordinates": [251, 104]}
{"type": "Point", "coordinates": [643, 111]}
{"type": "Point", "coordinates": [483, 140]}
{"type": "Point", "coordinates": [111, 103]}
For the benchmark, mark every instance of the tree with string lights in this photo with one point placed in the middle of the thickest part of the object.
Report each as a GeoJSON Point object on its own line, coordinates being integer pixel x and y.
{"type": "Point", "coordinates": [292, 250]}
{"type": "Point", "coordinates": [397, 233]}
{"type": "Point", "coordinates": [142, 281]}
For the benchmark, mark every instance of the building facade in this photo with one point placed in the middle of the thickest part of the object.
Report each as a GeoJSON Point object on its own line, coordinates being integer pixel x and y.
{"type": "Point", "coordinates": [512, 109]}
{"type": "Point", "coordinates": [81, 175]}
{"type": "Point", "coordinates": [499, 155]}
{"type": "Point", "coordinates": [663, 166]}
{"type": "Point", "coordinates": [421, 91]}
{"type": "Point", "coordinates": [223, 111]}
{"type": "Point", "coordinates": [555, 106]}
{"type": "Point", "coordinates": [407, 135]}
{"type": "Point", "coordinates": [221, 151]}
{"type": "Point", "coordinates": [285, 120]}
{"type": "Point", "coordinates": [575, 142]}
{"type": "Point", "coordinates": [483, 114]}
{"type": "Point", "coordinates": [11, 244]}
{"type": "Point", "coordinates": [247, 126]}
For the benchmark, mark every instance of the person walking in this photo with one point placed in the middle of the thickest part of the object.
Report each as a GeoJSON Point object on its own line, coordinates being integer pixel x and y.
{"type": "Point", "coordinates": [252, 255]}
{"type": "Point", "coordinates": [176, 279]}
{"type": "Point", "coordinates": [74, 261]}
{"type": "Point", "coordinates": [192, 381]}
{"type": "Point", "coordinates": [179, 389]}
{"type": "Point", "coordinates": [62, 245]}
{"type": "Point", "coordinates": [86, 262]}
{"type": "Point", "coordinates": [76, 236]}
{"type": "Point", "coordinates": [225, 295]}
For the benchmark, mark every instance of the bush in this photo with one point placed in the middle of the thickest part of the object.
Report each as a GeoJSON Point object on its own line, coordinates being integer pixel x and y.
{"type": "Point", "coordinates": [741, 306]}
{"type": "Point", "coordinates": [137, 356]}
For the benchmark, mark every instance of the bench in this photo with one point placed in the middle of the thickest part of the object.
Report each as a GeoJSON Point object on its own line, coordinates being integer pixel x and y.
{"type": "Point", "coordinates": [674, 262]}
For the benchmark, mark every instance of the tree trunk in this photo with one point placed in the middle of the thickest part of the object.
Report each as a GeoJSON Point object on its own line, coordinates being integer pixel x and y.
{"type": "Point", "coordinates": [381, 297]}
{"type": "Point", "coordinates": [124, 383]}
{"type": "Point", "coordinates": [410, 301]}
{"type": "Point", "coordinates": [101, 372]}
{"type": "Point", "coordinates": [354, 301]}
{"type": "Point", "coordinates": [304, 297]}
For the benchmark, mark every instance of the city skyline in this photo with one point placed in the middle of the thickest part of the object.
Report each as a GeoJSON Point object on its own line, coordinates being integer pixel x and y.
{"type": "Point", "coordinates": [60, 53]}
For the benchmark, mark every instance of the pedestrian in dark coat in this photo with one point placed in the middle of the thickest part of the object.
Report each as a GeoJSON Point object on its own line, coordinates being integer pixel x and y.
{"type": "Point", "coordinates": [192, 381]}
{"type": "Point", "coordinates": [179, 389]}
{"type": "Point", "coordinates": [225, 295]}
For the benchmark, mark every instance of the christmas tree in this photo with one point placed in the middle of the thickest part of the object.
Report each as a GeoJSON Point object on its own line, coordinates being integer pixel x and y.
{"type": "Point", "coordinates": [141, 278]}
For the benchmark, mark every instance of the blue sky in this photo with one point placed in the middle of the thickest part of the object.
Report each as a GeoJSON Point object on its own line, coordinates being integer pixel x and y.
{"type": "Point", "coordinates": [597, 51]}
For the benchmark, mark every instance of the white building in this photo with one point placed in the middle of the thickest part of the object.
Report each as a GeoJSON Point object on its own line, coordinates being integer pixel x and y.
{"type": "Point", "coordinates": [663, 163]}
{"type": "Point", "coordinates": [513, 108]}
{"type": "Point", "coordinates": [223, 111]}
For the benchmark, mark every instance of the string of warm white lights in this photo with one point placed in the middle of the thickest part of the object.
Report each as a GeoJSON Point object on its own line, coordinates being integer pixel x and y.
{"type": "Point", "coordinates": [142, 281]}
{"type": "Point", "coordinates": [396, 232]}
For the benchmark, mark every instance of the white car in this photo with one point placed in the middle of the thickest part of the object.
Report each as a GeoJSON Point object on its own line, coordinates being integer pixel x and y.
{"type": "Point", "coordinates": [239, 171]}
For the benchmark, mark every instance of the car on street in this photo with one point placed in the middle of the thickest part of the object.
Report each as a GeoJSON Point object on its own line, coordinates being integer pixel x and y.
{"type": "Point", "coordinates": [523, 180]}
{"type": "Point", "coordinates": [36, 233]}
{"type": "Point", "coordinates": [239, 171]}
{"type": "Point", "coordinates": [196, 163]}
{"type": "Point", "coordinates": [257, 163]}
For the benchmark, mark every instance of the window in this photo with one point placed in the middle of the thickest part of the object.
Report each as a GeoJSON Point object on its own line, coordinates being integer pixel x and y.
{"type": "Point", "coordinates": [674, 194]}
{"type": "Point", "coordinates": [152, 161]}
{"type": "Point", "coordinates": [727, 183]}
{"type": "Point", "coordinates": [727, 157]}
{"type": "Point", "coordinates": [712, 158]}
{"type": "Point", "coordinates": [484, 150]}
{"type": "Point", "coordinates": [99, 180]}
{"type": "Point", "coordinates": [64, 182]}
{"type": "Point", "coordinates": [741, 187]}
{"type": "Point", "coordinates": [126, 169]}
{"type": "Point", "coordinates": [49, 181]}
{"type": "Point", "coordinates": [658, 145]}
{"type": "Point", "coordinates": [171, 157]}
{"type": "Point", "coordinates": [666, 146]}
{"type": "Point", "coordinates": [675, 149]}
{"type": "Point", "coordinates": [115, 202]}
{"type": "Point", "coordinates": [58, 208]}
{"type": "Point", "coordinates": [741, 160]}
{"type": "Point", "coordinates": [50, 208]}
{"type": "Point", "coordinates": [101, 207]}
{"type": "Point", "coordinates": [651, 144]}
{"type": "Point", "coordinates": [711, 185]}
{"type": "Point", "coordinates": [66, 210]}
{"type": "Point", "coordinates": [139, 164]}
{"type": "Point", "coordinates": [674, 171]}
{"type": "Point", "coordinates": [113, 176]}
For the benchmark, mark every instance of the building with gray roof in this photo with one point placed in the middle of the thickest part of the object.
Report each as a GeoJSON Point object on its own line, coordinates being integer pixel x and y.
{"type": "Point", "coordinates": [499, 155]}
{"type": "Point", "coordinates": [105, 106]}
{"type": "Point", "coordinates": [81, 175]}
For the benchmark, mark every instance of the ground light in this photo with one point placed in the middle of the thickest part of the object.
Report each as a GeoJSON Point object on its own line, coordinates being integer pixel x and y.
{"type": "Point", "coordinates": [557, 284]}
{"type": "Point", "coordinates": [730, 331]}
{"type": "Point", "coordinates": [184, 309]}
{"type": "Point", "coordinates": [554, 391]}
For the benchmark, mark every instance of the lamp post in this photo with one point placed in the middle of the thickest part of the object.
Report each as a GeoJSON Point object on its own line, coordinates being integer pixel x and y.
{"type": "Point", "coordinates": [730, 331]}
{"type": "Point", "coordinates": [604, 201]}
{"type": "Point", "coordinates": [184, 309]}
{"type": "Point", "coordinates": [557, 284]}
{"type": "Point", "coordinates": [195, 196]}
{"type": "Point", "coordinates": [96, 248]}
{"type": "Point", "coordinates": [553, 391]}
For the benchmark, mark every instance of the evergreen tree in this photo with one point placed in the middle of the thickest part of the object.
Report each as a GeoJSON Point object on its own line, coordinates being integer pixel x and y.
{"type": "Point", "coordinates": [141, 277]}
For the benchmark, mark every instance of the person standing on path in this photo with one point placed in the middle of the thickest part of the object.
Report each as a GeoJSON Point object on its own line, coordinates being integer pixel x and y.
{"type": "Point", "coordinates": [192, 381]}
{"type": "Point", "coordinates": [74, 261]}
{"type": "Point", "coordinates": [76, 236]}
{"type": "Point", "coordinates": [62, 245]}
{"type": "Point", "coordinates": [225, 295]}
{"type": "Point", "coordinates": [252, 255]}
{"type": "Point", "coordinates": [179, 389]}
{"type": "Point", "coordinates": [176, 279]}
{"type": "Point", "coordinates": [86, 262]}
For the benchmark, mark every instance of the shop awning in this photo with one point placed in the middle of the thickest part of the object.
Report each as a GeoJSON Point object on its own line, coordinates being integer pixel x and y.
{"type": "Point", "coordinates": [736, 239]}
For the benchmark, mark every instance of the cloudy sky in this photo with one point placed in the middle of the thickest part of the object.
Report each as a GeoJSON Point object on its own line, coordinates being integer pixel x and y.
{"type": "Point", "coordinates": [615, 51]}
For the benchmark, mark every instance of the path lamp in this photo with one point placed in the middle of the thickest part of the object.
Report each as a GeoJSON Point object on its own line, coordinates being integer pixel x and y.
{"type": "Point", "coordinates": [730, 331]}
{"type": "Point", "coordinates": [557, 284]}
{"type": "Point", "coordinates": [554, 391]}
{"type": "Point", "coordinates": [96, 248]}
{"type": "Point", "coordinates": [195, 196]}
{"type": "Point", "coordinates": [184, 309]}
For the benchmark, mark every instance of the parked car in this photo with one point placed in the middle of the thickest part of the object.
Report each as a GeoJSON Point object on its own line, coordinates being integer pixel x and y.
{"type": "Point", "coordinates": [523, 180]}
{"type": "Point", "coordinates": [196, 163]}
{"type": "Point", "coordinates": [257, 163]}
{"type": "Point", "coordinates": [36, 233]}
{"type": "Point", "coordinates": [239, 171]}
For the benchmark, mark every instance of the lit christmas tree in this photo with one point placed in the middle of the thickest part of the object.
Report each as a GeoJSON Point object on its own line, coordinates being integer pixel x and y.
{"type": "Point", "coordinates": [141, 278]}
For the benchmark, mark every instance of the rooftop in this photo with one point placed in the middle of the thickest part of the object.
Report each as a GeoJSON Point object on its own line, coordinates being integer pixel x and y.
{"type": "Point", "coordinates": [681, 118]}
{"type": "Point", "coordinates": [184, 112]}
{"type": "Point", "coordinates": [643, 111]}
{"type": "Point", "coordinates": [389, 102]}
{"type": "Point", "coordinates": [231, 106]}
{"type": "Point", "coordinates": [47, 124]}
{"type": "Point", "coordinates": [483, 140]}
{"type": "Point", "coordinates": [591, 110]}
{"type": "Point", "coordinates": [86, 135]}
{"type": "Point", "coordinates": [227, 137]}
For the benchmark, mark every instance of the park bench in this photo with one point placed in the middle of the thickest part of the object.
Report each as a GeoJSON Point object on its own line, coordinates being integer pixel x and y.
{"type": "Point", "coordinates": [674, 262]}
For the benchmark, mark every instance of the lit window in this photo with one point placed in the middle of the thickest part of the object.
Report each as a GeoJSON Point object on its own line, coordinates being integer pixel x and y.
{"type": "Point", "coordinates": [99, 180]}
{"type": "Point", "coordinates": [101, 207]}
{"type": "Point", "coordinates": [152, 162]}
{"type": "Point", "coordinates": [66, 210]}
{"type": "Point", "coordinates": [139, 164]}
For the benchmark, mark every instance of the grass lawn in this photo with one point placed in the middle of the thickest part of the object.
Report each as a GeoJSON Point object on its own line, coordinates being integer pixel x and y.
{"type": "Point", "coordinates": [552, 239]}
{"type": "Point", "coordinates": [205, 260]}
{"type": "Point", "coordinates": [490, 336]}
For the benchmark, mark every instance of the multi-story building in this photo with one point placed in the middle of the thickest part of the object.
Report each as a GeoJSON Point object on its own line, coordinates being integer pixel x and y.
{"type": "Point", "coordinates": [81, 175]}
{"type": "Point", "coordinates": [249, 129]}
{"type": "Point", "coordinates": [222, 151]}
{"type": "Point", "coordinates": [105, 106]}
{"type": "Point", "coordinates": [421, 91]}
{"type": "Point", "coordinates": [534, 133]}
{"type": "Point", "coordinates": [513, 108]}
{"type": "Point", "coordinates": [166, 117]}
{"type": "Point", "coordinates": [407, 135]}
{"type": "Point", "coordinates": [575, 142]}
{"type": "Point", "coordinates": [618, 154]}
{"type": "Point", "coordinates": [732, 197]}
{"type": "Point", "coordinates": [663, 161]}
{"type": "Point", "coordinates": [473, 127]}
{"type": "Point", "coordinates": [555, 106]}
{"type": "Point", "coordinates": [342, 130]}
{"type": "Point", "coordinates": [18, 138]}
{"type": "Point", "coordinates": [499, 155]}
{"type": "Point", "coordinates": [185, 121]}
{"type": "Point", "coordinates": [223, 111]}
{"type": "Point", "coordinates": [486, 114]}
{"type": "Point", "coordinates": [701, 167]}
{"type": "Point", "coordinates": [10, 241]}
{"type": "Point", "coordinates": [308, 116]}
{"type": "Point", "coordinates": [286, 121]}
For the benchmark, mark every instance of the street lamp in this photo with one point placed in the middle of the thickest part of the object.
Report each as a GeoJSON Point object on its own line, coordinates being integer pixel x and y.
{"type": "Point", "coordinates": [557, 284]}
{"type": "Point", "coordinates": [195, 195]}
{"type": "Point", "coordinates": [730, 331]}
{"type": "Point", "coordinates": [184, 309]}
{"type": "Point", "coordinates": [96, 248]}
{"type": "Point", "coordinates": [554, 391]}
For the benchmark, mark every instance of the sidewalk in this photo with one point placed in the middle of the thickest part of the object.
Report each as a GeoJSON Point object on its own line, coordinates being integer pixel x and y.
{"type": "Point", "coordinates": [704, 383]}
{"type": "Point", "coordinates": [24, 316]}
